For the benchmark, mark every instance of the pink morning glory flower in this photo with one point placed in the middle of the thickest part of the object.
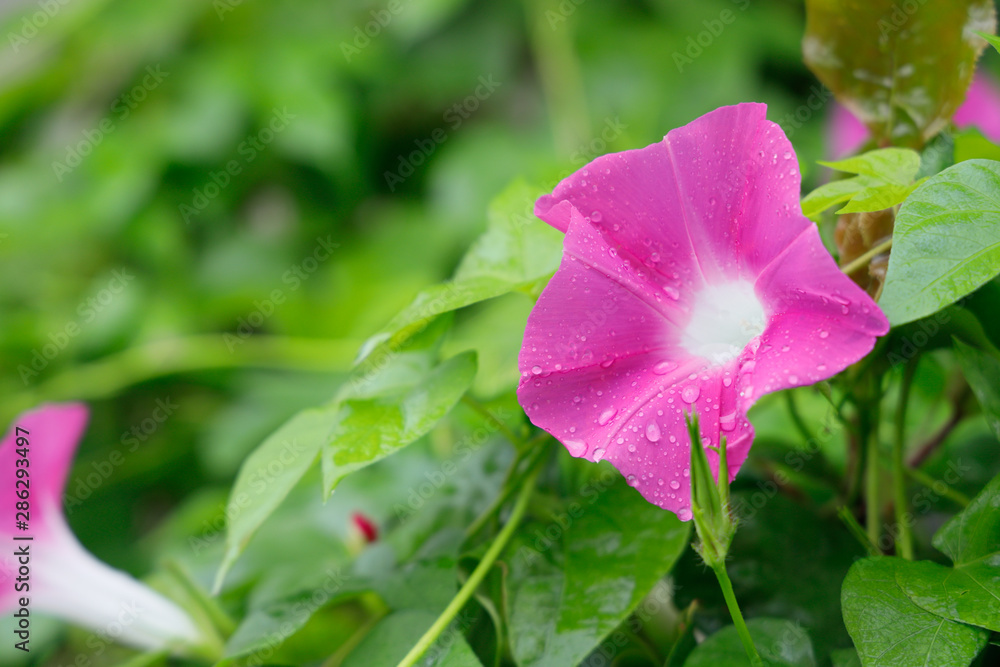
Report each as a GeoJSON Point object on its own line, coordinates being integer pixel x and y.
{"type": "Point", "coordinates": [981, 110]}
{"type": "Point", "coordinates": [690, 281]}
{"type": "Point", "coordinates": [52, 573]}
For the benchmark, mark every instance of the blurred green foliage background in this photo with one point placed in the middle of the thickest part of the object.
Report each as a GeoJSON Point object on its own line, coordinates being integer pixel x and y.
{"type": "Point", "coordinates": [170, 168]}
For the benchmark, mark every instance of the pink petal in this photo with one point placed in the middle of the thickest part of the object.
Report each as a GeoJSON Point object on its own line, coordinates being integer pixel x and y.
{"type": "Point", "coordinates": [821, 321]}
{"type": "Point", "coordinates": [728, 181]}
{"type": "Point", "coordinates": [54, 431]}
{"type": "Point", "coordinates": [603, 371]}
{"type": "Point", "coordinates": [981, 108]}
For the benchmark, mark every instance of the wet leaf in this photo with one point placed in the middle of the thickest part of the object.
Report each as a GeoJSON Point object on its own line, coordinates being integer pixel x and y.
{"type": "Point", "coordinates": [888, 629]}
{"type": "Point", "coordinates": [946, 241]}
{"type": "Point", "coordinates": [779, 643]}
{"type": "Point", "coordinates": [982, 371]}
{"type": "Point", "coordinates": [874, 56]}
{"type": "Point", "coordinates": [574, 580]}
{"type": "Point", "coordinates": [968, 593]}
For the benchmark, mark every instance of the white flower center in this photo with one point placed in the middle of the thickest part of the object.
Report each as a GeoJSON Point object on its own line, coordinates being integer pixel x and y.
{"type": "Point", "coordinates": [724, 319]}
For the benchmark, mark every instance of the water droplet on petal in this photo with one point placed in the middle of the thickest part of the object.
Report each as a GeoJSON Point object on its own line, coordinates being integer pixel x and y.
{"type": "Point", "coordinates": [671, 292]}
{"type": "Point", "coordinates": [598, 455]}
{"type": "Point", "coordinates": [575, 447]}
{"type": "Point", "coordinates": [606, 416]}
{"type": "Point", "coordinates": [727, 381]}
{"type": "Point", "coordinates": [652, 432]}
{"type": "Point", "coordinates": [607, 362]}
{"type": "Point", "coordinates": [664, 367]}
{"type": "Point", "coordinates": [727, 422]}
{"type": "Point", "coordinates": [684, 515]}
{"type": "Point", "coordinates": [823, 334]}
{"type": "Point", "coordinates": [674, 484]}
{"type": "Point", "coordinates": [690, 393]}
{"type": "Point", "coordinates": [596, 216]}
{"type": "Point", "coordinates": [794, 379]}
{"type": "Point", "coordinates": [536, 370]}
{"type": "Point", "coordinates": [632, 481]}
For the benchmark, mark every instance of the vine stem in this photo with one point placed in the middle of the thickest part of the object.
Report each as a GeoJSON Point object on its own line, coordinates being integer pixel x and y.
{"type": "Point", "coordinates": [508, 488]}
{"type": "Point", "coordinates": [860, 262]}
{"type": "Point", "coordinates": [939, 487]}
{"type": "Point", "coordinates": [477, 576]}
{"type": "Point", "coordinates": [904, 542]}
{"type": "Point", "coordinates": [490, 418]}
{"type": "Point", "coordinates": [110, 375]}
{"type": "Point", "coordinates": [734, 610]}
{"type": "Point", "coordinates": [871, 486]}
{"type": "Point", "coordinates": [871, 443]}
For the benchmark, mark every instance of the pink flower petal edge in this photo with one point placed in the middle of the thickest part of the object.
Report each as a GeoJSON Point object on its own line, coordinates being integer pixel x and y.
{"type": "Point", "coordinates": [690, 281]}
{"type": "Point", "coordinates": [52, 571]}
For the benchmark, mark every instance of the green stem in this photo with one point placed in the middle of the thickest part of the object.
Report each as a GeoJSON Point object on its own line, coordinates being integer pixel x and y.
{"type": "Point", "coordinates": [862, 261]}
{"type": "Point", "coordinates": [561, 79]}
{"type": "Point", "coordinates": [734, 610]}
{"type": "Point", "coordinates": [477, 576]}
{"type": "Point", "coordinates": [793, 410]}
{"type": "Point", "coordinates": [904, 541]}
{"type": "Point", "coordinates": [110, 375]}
{"type": "Point", "coordinates": [482, 410]}
{"type": "Point", "coordinates": [871, 489]}
{"type": "Point", "coordinates": [224, 626]}
{"type": "Point", "coordinates": [857, 531]}
{"type": "Point", "coordinates": [507, 491]}
{"type": "Point", "coordinates": [920, 477]}
{"type": "Point", "coordinates": [871, 442]}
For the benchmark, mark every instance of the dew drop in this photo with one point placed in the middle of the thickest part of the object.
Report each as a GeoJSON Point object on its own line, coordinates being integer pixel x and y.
{"type": "Point", "coordinates": [727, 381]}
{"type": "Point", "coordinates": [607, 362]}
{"type": "Point", "coordinates": [664, 367]}
{"type": "Point", "coordinates": [684, 515]}
{"type": "Point", "coordinates": [823, 334]}
{"type": "Point", "coordinates": [596, 216]}
{"type": "Point", "coordinates": [727, 422]}
{"type": "Point", "coordinates": [606, 416]}
{"type": "Point", "coordinates": [652, 432]}
{"type": "Point", "coordinates": [671, 292]}
{"type": "Point", "coordinates": [794, 379]}
{"type": "Point", "coordinates": [598, 455]}
{"type": "Point", "coordinates": [536, 370]}
{"type": "Point", "coordinates": [632, 480]}
{"type": "Point", "coordinates": [690, 393]}
{"type": "Point", "coordinates": [575, 447]}
{"type": "Point", "coordinates": [674, 484]}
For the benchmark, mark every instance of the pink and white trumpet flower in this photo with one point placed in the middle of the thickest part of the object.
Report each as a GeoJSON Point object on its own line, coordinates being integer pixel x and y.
{"type": "Point", "coordinates": [44, 569]}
